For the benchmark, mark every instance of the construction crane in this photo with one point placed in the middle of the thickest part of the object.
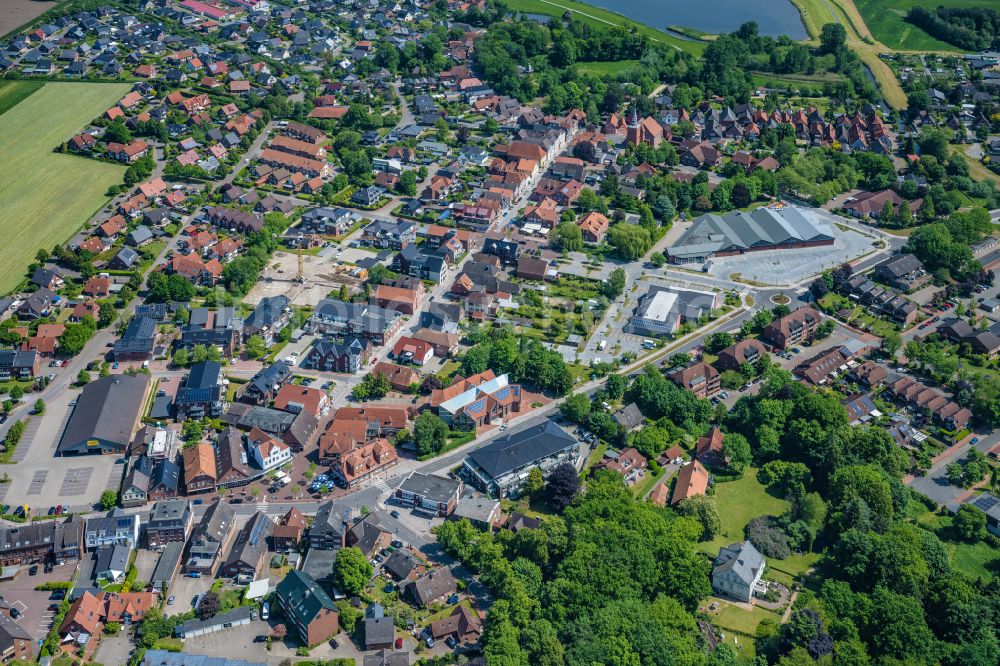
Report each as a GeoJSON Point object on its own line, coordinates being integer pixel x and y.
{"type": "Point", "coordinates": [299, 274]}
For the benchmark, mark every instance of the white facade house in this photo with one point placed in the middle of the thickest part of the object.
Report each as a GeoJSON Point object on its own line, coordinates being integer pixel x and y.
{"type": "Point", "coordinates": [737, 571]}
{"type": "Point", "coordinates": [112, 529]}
{"type": "Point", "coordinates": [270, 453]}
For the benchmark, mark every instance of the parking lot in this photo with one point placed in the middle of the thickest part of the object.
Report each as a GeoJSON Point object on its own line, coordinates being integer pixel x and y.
{"type": "Point", "coordinates": [238, 643]}
{"type": "Point", "coordinates": [145, 563]}
{"type": "Point", "coordinates": [43, 480]}
{"type": "Point", "coordinates": [184, 590]}
{"type": "Point", "coordinates": [36, 607]}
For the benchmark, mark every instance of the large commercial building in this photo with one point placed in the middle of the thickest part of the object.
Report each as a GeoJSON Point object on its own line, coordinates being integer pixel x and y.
{"type": "Point", "coordinates": [502, 466]}
{"type": "Point", "coordinates": [741, 232]}
{"type": "Point", "coordinates": [105, 416]}
{"type": "Point", "coordinates": [663, 310]}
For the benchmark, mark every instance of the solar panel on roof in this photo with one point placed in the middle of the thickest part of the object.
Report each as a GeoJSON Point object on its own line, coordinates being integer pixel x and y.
{"type": "Point", "coordinates": [986, 502]}
{"type": "Point", "coordinates": [257, 529]}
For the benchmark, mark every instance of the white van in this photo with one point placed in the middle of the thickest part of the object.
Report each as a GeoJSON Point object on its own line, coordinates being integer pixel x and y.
{"type": "Point", "coordinates": [649, 344]}
{"type": "Point", "coordinates": [265, 610]}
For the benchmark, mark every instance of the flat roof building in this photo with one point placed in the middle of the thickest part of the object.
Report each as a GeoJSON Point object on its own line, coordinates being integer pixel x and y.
{"type": "Point", "coordinates": [663, 309]}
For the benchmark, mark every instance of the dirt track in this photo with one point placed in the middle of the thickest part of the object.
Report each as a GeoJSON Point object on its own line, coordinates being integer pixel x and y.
{"type": "Point", "coordinates": [15, 13]}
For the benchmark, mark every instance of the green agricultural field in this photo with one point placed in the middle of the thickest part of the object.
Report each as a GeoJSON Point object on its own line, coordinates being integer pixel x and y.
{"type": "Point", "coordinates": [13, 93]}
{"type": "Point", "coordinates": [599, 16]}
{"type": "Point", "coordinates": [45, 196]}
{"type": "Point", "coordinates": [885, 20]}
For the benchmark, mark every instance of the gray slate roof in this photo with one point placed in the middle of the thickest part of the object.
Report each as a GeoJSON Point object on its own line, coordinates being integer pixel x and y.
{"type": "Point", "coordinates": [755, 229]}
{"type": "Point", "coordinates": [742, 559]}
{"type": "Point", "coordinates": [521, 448]}
{"type": "Point", "coordinates": [107, 410]}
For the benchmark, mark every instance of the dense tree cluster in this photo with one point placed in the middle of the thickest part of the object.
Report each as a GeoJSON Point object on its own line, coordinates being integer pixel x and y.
{"type": "Point", "coordinates": [943, 247]}
{"type": "Point", "coordinates": [969, 28]}
{"type": "Point", "coordinates": [524, 359]}
{"type": "Point", "coordinates": [613, 582]}
{"type": "Point", "coordinates": [730, 60]}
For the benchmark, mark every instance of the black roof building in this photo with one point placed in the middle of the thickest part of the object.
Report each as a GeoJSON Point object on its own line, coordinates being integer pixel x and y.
{"type": "Point", "coordinates": [498, 467]}
{"type": "Point", "coordinates": [106, 414]}
{"type": "Point", "coordinates": [137, 341]}
{"type": "Point", "coordinates": [203, 392]}
{"type": "Point", "coordinates": [265, 317]}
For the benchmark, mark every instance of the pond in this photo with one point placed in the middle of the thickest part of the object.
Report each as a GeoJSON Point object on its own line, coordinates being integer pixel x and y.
{"type": "Point", "coordinates": [774, 17]}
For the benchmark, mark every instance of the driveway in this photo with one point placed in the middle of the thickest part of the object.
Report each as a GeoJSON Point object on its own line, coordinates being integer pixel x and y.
{"type": "Point", "coordinates": [114, 649]}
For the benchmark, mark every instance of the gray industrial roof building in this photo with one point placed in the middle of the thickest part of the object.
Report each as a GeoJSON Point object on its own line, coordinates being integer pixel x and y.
{"type": "Point", "coordinates": [738, 232]}
{"type": "Point", "coordinates": [106, 415]}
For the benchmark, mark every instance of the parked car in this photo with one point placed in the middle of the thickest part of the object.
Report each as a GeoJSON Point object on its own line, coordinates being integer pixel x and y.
{"type": "Point", "coordinates": [33, 571]}
{"type": "Point", "coordinates": [170, 600]}
{"type": "Point", "coordinates": [394, 514]}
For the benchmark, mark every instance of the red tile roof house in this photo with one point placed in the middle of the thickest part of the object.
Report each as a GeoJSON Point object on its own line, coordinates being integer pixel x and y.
{"type": "Point", "coordinates": [793, 328]}
{"type": "Point", "coordinates": [130, 153]}
{"type": "Point", "coordinates": [709, 448]}
{"type": "Point", "coordinates": [692, 481]}
{"type": "Point", "coordinates": [113, 226]}
{"type": "Point", "coordinates": [98, 287]}
{"type": "Point", "coordinates": [593, 225]}
{"type": "Point", "coordinates": [83, 619]}
{"type": "Point", "coordinates": [402, 300]}
{"type": "Point", "coordinates": [289, 531]}
{"type": "Point", "coordinates": [411, 350]}
{"type": "Point", "coordinates": [629, 464]}
{"type": "Point", "coordinates": [295, 399]}
{"type": "Point", "coordinates": [400, 376]}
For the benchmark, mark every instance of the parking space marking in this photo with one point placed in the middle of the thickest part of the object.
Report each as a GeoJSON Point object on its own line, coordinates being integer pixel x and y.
{"type": "Point", "coordinates": [115, 476]}
{"type": "Point", "coordinates": [37, 482]}
{"type": "Point", "coordinates": [76, 481]}
{"type": "Point", "coordinates": [30, 430]}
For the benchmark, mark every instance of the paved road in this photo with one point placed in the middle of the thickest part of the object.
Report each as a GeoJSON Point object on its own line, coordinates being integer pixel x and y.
{"type": "Point", "coordinates": [935, 484]}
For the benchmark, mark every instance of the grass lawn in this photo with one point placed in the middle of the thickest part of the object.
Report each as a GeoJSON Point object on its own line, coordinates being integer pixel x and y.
{"type": "Point", "coordinates": [738, 502]}
{"type": "Point", "coordinates": [596, 455]}
{"type": "Point", "coordinates": [599, 16]}
{"type": "Point", "coordinates": [787, 570]}
{"type": "Point", "coordinates": [794, 81]}
{"type": "Point", "coordinates": [977, 169]}
{"type": "Point", "coordinates": [885, 18]}
{"type": "Point", "coordinates": [976, 559]}
{"type": "Point", "coordinates": [602, 67]}
{"type": "Point", "coordinates": [46, 196]}
{"type": "Point", "coordinates": [14, 92]}
{"type": "Point", "coordinates": [740, 619]}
